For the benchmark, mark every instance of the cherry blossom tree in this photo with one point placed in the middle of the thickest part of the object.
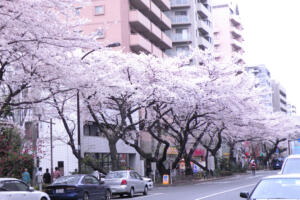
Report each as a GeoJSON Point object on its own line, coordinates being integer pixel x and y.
{"type": "Point", "coordinates": [36, 47]}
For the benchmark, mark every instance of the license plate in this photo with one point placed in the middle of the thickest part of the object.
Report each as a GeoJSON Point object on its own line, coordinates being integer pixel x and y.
{"type": "Point", "coordinates": [59, 190]}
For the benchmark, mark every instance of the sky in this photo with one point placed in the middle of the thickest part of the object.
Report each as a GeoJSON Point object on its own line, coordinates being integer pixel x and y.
{"type": "Point", "coordinates": [272, 37]}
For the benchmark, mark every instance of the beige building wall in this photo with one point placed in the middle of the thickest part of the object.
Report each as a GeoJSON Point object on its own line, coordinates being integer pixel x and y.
{"type": "Point", "coordinates": [138, 25]}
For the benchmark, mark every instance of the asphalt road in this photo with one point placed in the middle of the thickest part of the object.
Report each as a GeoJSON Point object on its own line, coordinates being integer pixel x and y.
{"type": "Point", "coordinates": [224, 189]}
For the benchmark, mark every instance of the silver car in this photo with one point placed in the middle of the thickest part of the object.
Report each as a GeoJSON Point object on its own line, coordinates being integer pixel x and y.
{"type": "Point", "coordinates": [126, 182]}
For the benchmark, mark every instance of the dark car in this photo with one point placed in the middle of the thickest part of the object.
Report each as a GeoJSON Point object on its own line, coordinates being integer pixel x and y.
{"type": "Point", "coordinates": [78, 187]}
{"type": "Point", "coordinates": [285, 186]}
{"type": "Point", "coordinates": [277, 163]}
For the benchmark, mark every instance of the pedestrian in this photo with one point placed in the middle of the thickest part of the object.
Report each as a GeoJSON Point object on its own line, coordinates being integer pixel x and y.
{"type": "Point", "coordinates": [56, 174]}
{"type": "Point", "coordinates": [39, 178]}
{"type": "Point", "coordinates": [47, 177]}
{"type": "Point", "coordinates": [96, 174]}
{"type": "Point", "coordinates": [26, 177]}
{"type": "Point", "coordinates": [253, 166]}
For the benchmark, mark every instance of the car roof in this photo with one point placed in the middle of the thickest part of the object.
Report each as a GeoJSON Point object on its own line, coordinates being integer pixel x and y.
{"type": "Point", "coordinates": [283, 176]}
{"type": "Point", "coordinates": [8, 179]}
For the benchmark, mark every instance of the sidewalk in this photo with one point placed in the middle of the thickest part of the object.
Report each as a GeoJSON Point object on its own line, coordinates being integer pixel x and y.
{"type": "Point", "coordinates": [194, 180]}
{"type": "Point", "coordinates": [189, 181]}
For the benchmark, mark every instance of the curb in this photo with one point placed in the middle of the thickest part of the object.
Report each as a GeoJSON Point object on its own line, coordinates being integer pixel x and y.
{"type": "Point", "coordinates": [189, 182]}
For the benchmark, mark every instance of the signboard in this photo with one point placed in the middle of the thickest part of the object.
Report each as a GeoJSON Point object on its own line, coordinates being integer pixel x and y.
{"type": "Point", "coordinates": [165, 179]}
{"type": "Point", "coordinates": [195, 169]}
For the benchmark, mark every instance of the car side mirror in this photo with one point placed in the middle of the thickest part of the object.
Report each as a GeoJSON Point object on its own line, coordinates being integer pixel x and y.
{"type": "Point", "coordinates": [31, 189]}
{"type": "Point", "coordinates": [244, 195]}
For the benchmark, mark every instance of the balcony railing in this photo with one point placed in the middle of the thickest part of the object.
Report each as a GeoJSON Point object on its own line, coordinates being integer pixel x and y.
{"type": "Point", "coordinates": [180, 20]}
{"type": "Point", "coordinates": [180, 3]}
{"type": "Point", "coordinates": [181, 38]}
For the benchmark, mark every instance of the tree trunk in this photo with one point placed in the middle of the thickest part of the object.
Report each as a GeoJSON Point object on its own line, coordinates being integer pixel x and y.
{"type": "Point", "coordinates": [161, 169]}
{"type": "Point", "coordinates": [188, 166]}
{"type": "Point", "coordinates": [113, 153]}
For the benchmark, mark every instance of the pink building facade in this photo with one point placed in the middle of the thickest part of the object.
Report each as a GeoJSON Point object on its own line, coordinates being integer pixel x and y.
{"type": "Point", "coordinates": [138, 25]}
{"type": "Point", "coordinates": [228, 39]}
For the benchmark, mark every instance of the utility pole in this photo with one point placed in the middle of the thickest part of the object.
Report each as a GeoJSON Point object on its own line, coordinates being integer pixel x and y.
{"type": "Point", "coordinates": [78, 133]}
{"type": "Point", "coordinates": [51, 148]}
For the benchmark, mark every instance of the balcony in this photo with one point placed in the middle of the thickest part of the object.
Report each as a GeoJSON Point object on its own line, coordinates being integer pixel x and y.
{"type": "Point", "coordinates": [180, 3]}
{"type": "Point", "coordinates": [180, 20]}
{"type": "Point", "coordinates": [164, 5]}
{"type": "Point", "coordinates": [142, 25]}
{"type": "Point", "coordinates": [166, 41]}
{"type": "Point", "coordinates": [236, 33]}
{"type": "Point", "coordinates": [203, 11]}
{"type": "Point", "coordinates": [141, 4]}
{"type": "Point", "coordinates": [204, 43]}
{"type": "Point", "coordinates": [236, 44]}
{"type": "Point", "coordinates": [236, 21]}
{"type": "Point", "coordinates": [158, 17]}
{"type": "Point", "coordinates": [138, 43]}
{"type": "Point", "coordinates": [139, 22]}
{"type": "Point", "coordinates": [204, 27]}
{"type": "Point", "coordinates": [180, 38]}
{"type": "Point", "coordinates": [156, 51]}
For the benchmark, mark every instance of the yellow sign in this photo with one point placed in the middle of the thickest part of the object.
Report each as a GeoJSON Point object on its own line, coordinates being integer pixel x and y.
{"type": "Point", "coordinates": [172, 150]}
{"type": "Point", "coordinates": [165, 179]}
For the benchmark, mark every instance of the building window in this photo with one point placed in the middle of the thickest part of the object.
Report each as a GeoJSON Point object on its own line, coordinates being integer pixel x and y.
{"type": "Point", "coordinates": [77, 11]}
{"type": "Point", "coordinates": [91, 129]}
{"type": "Point", "coordinates": [99, 10]}
{"type": "Point", "coordinates": [181, 34]}
{"type": "Point", "coordinates": [100, 33]}
{"type": "Point", "coordinates": [182, 50]}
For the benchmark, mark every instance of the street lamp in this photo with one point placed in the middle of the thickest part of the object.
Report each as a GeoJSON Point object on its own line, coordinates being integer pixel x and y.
{"type": "Point", "coordinates": [115, 44]}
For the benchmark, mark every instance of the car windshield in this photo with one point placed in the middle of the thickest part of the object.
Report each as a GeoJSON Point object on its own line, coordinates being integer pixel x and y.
{"type": "Point", "coordinates": [281, 188]}
{"type": "Point", "coordinates": [291, 166]}
{"type": "Point", "coordinates": [67, 180]}
{"type": "Point", "coordinates": [116, 175]}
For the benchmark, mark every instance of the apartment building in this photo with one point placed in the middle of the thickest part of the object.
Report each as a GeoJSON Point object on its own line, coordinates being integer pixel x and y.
{"type": "Point", "coordinates": [279, 97]}
{"type": "Point", "coordinates": [138, 25]}
{"type": "Point", "coordinates": [228, 29]}
{"type": "Point", "coordinates": [291, 109]}
{"type": "Point", "coordinates": [191, 26]}
{"type": "Point", "coordinates": [263, 77]}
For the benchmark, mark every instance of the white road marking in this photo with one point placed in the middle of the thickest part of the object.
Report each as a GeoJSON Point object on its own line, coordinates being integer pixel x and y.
{"type": "Point", "coordinates": [144, 197]}
{"type": "Point", "coordinates": [215, 194]}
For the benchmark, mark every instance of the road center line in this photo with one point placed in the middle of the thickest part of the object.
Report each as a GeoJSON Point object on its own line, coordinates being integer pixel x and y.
{"type": "Point", "coordinates": [215, 194]}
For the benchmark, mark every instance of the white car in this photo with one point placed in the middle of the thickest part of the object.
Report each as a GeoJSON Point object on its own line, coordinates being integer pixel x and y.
{"type": "Point", "coordinates": [291, 165]}
{"type": "Point", "coordinates": [149, 182]}
{"type": "Point", "coordinates": [14, 189]}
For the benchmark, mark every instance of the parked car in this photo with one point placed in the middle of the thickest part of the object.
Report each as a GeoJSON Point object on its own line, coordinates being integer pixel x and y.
{"type": "Point", "coordinates": [14, 189]}
{"type": "Point", "coordinates": [291, 165]}
{"type": "Point", "coordinates": [149, 182]}
{"type": "Point", "coordinates": [283, 186]}
{"type": "Point", "coordinates": [277, 163]}
{"type": "Point", "coordinates": [126, 182]}
{"type": "Point", "coordinates": [78, 187]}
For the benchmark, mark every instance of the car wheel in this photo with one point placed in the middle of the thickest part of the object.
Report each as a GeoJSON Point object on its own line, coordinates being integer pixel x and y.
{"type": "Point", "coordinates": [131, 193]}
{"type": "Point", "coordinates": [43, 198]}
{"type": "Point", "coordinates": [145, 191]}
{"type": "Point", "coordinates": [107, 195]}
{"type": "Point", "coordinates": [85, 196]}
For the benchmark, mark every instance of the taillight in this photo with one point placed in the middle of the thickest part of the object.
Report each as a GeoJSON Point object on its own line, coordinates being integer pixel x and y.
{"type": "Point", "coordinates": [123, 182]}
